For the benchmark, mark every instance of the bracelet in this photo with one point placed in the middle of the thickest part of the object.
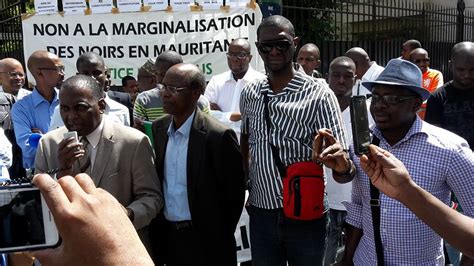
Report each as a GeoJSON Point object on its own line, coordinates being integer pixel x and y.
{"type": "Point", "coordinates": [350, 172]}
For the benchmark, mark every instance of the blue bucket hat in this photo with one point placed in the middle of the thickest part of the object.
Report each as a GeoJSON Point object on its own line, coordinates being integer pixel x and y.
{"type": "Point", "coordinates": [402, 73]}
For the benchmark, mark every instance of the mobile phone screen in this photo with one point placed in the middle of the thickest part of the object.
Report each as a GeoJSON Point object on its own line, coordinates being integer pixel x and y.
{"type": "Point", "coordinates": [22, 220]}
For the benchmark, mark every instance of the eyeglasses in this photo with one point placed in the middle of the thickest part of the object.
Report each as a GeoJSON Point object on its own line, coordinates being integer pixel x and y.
{"type": "Point", "coordinates": [390, 99]}
{"type": "Point", "coordinates": [172, 89]}
{"type": "Point", "coordinates": [417, 61]}
{"type": "Point", "coordinates": [14, 74]}
{"type": "Point", "coordinates": [59, 68]}
{"type": "Point", "coordinates": [239, 56]}
{"type": "Point", "coordinates": [267, 47]}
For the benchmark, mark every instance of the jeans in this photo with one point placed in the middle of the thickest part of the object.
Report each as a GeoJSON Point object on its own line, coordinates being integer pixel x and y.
{"type": "Point", "coordinates": [336, 223]}
{"type": "Point", "coordinates": [276, 239]}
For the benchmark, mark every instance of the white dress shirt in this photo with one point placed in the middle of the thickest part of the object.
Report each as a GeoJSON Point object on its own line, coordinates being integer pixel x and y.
{"type": "Point", "coordinates": [371, 75]}
{"type": "Point", "coordinates": [225, 91]}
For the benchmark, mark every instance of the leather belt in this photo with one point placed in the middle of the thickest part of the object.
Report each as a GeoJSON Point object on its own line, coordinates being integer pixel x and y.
{"type": "Point", "coordinates": [181, 225]}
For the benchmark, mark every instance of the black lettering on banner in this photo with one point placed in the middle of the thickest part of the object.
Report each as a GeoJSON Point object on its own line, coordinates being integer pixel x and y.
{"type": "Point", "coordinates": [136, 51]}
{"type": "Point", "coordinates": [50, 29]}
{"type": "Point", "coordinates": [104, 51]}
{"type": "Point", "coordinates": [61, 51]}
{"type": "Point", "coordinates": [100, 30]}
{"type": "Point", "coordinates": [78, 29]}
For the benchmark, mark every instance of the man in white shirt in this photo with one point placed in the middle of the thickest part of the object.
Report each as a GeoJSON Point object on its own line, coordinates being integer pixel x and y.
{"type": "Point", "coordinates": [223, 90]}
{"type": "Point", "coordinates": [92, 64]}
{"type": "Point", "coordinates": [5, 156]}
{"type": "Point", "coordinates": [12, 78]}
{"type": "Point", "coordinates": [341, 80]}
{"type": "Point", "coordinates": [366, 70]}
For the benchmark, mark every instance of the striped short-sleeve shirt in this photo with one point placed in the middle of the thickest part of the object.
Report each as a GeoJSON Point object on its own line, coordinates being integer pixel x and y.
{"type": "Point", "coordinates": [148, 105]}
{"type": "Point", "coordinates": [303, 107]}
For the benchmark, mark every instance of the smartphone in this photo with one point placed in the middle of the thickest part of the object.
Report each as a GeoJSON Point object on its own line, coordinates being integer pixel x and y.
{"type": "Point", "coordinates": [27, 223]}
{"type": "Point", "coordinates": [360, 125]}
{"type": "Point", "coordinates": [71, 134]}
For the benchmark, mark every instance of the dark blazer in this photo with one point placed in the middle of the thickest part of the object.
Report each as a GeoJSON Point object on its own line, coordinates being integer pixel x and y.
{"type": "Point", "coordinates": [123, 98]}
{"type": "Point", "coordinates": [215, 180]}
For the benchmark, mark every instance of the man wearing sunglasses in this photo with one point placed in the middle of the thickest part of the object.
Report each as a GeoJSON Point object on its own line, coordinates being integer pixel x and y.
{"type": "Point", "coordinates": [438, 160]}
{"type": "Point", "coordinates": [33, 113]}
{"type": "Point", "coordinates": [298, 107]}
{"type": "Point", "coordinates": [432, 78]}
{"type": "Point", "coordinates": [223, 90]}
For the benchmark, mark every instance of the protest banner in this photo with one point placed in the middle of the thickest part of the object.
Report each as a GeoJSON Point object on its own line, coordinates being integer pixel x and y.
{"type": "Point", "coordinates": [126, 40]}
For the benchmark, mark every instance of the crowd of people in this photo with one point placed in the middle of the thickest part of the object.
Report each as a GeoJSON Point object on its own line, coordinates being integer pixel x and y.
{"type": "Point", "coordinates": [171, 156]}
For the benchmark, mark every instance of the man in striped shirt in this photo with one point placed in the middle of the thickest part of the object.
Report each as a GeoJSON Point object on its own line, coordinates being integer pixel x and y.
{"type": "Point", "coordinates": [299, 107]}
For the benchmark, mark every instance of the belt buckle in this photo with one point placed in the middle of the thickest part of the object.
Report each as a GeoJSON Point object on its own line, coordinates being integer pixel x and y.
{"type": "Point", "coordinates": [183, 225]}
{"type": "Point", "coordinates": [375, 202]}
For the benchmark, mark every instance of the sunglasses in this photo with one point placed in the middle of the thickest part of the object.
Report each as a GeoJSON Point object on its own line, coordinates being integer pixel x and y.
{"type": "Point", "coordinates": [267, 47]}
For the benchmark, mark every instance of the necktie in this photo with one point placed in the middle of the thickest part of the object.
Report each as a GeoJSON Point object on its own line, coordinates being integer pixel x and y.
{"type": "Point", "coordinates": [85, 161]}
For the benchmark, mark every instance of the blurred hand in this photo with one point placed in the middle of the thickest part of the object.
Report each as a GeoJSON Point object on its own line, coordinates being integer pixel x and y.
{"type": "Point", "coordinates": [327, 150]}
{"type": "Point", "coordinates": [93, 226]}
{"type": "Point", "coordinates": [214, 106]}
{"type": "Point", "coordinates": [386, 172]}
{"type": "Point", "coordinates": [138, 124]}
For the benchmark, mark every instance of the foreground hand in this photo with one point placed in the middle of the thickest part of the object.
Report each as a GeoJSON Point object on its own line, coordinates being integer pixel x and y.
{"type": "Point", "coordinates": [93, 227]}
{"type": "Point", "coordinates": [386, 172]}
{"type": "Point", "coordinates": [327, 150]}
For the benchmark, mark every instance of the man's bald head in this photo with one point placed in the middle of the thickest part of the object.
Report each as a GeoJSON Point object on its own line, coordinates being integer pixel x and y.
{"type": "Point", "coordinates": [84, 82]}
{"type": "Point", "coordinates": [38, 59]}
{"type": "Point", "coordinates": [47, 69]}
{"type": "Point", "coordinates": [312, 48]}
{"type": "Point", "coordinates": [361, 60]}
{"type": "Point", "coordinates": [88, 59]}
{"type": "Point", "coordinates": [462, 66]}
{"type": "Point", "coordinates": [12, 75]}
{"type": "Point", "coordinates": [170, 57]}
{"type": "Point", "coordinates": [420, 57]}
{"type": "Point", "coordinates": [462, 49]}
{"type": "Point", "coordinates": [191, 75]}
{"type": "Point", "coordinates": [241, 42]}
{"type": "Point", "coordinates": [277, 21]}
{"type": "Point", "coordinates": [164, 61]}
{"type": "Point", "coordinates": [309, 58]}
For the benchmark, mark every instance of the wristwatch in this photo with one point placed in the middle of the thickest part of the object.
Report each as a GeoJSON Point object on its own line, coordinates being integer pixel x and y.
{"type": "Point", "coordinates": [349, 173]}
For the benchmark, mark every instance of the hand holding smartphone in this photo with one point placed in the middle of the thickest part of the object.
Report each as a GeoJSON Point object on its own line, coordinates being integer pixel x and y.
{"type": "Point", "coordinates": [27, 220]}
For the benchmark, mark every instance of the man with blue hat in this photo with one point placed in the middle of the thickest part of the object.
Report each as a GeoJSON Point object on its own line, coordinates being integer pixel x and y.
{"type": "Point", "coordinates": [438, 160]}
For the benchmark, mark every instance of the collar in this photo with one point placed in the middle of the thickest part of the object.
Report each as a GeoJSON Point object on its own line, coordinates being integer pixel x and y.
{"type": "Point", "coordinates": [246, 77]}
{"type": "Point", "coordinates": [418, 127]}
{"type": "Point", "coordinates": [94, 136]}
{"type": "Point", "coordinates": [368, 74]}
{"type": "Point", "coordinates": [184, 129]}
{"type": "Point", "coordinates": [295, 84]}
{"type": "Point", "coordinates": [38, 98]}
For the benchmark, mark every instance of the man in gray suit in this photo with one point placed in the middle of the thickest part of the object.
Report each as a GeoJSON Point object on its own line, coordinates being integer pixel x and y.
{"type": "Point", "coordinates": [119, 158]}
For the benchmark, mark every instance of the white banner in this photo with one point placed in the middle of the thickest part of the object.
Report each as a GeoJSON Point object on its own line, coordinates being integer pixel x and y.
{"type": "Point", "coordinates": [126, 40]}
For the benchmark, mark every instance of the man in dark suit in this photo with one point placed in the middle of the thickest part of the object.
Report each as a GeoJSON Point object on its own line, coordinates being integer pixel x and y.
{"type": "Point", "coordinates": [200, 167]}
